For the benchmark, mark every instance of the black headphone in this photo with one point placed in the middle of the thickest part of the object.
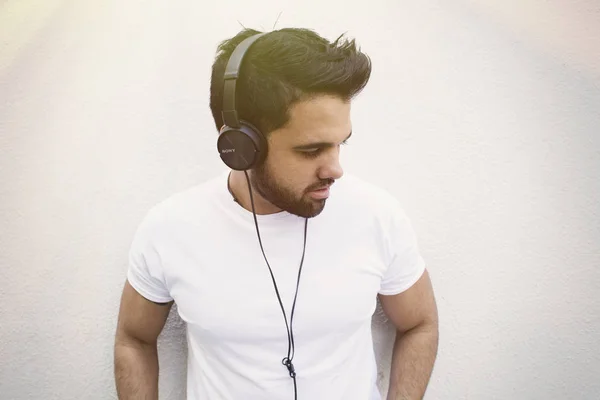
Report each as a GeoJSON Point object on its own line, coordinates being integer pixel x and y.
{"type": "Point", "coordinates": [241, 145]}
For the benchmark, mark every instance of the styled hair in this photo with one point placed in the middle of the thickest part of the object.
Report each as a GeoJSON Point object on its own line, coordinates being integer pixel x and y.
{"type": "Point", "coordinates": [284, 67]}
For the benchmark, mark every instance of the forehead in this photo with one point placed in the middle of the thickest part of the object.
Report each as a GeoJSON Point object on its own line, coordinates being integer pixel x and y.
{"type": "Point", "coordinates": [322, 118]}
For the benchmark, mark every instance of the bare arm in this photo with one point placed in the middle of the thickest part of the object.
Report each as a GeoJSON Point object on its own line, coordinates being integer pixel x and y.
{"type": "Point", "coordinates": [136, 359]}
{"type": "Point", "coordinates": [414, 314]}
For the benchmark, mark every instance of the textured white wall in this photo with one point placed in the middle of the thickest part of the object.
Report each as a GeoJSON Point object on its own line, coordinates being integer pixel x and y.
{"type": "Point", "coordinates": [482, 117]}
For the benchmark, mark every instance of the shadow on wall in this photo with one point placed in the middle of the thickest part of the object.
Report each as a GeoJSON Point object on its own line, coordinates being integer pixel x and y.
{"type": "Point", "coordinates": [172, 349]}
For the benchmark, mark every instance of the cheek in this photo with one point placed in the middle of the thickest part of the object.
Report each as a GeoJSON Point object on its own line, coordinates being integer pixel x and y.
{"type": "Point", "coordinates": [292, 171]}
{"type": "Point", "coordinates": [282, 166]}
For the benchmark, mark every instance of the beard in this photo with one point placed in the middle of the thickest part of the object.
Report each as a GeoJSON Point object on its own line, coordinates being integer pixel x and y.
{"type": "Point", "coordinates": [303, 206]}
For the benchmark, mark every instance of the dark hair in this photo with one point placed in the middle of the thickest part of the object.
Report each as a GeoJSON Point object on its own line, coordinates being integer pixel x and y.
{"type": "Point", "coordinates": [284, 67]}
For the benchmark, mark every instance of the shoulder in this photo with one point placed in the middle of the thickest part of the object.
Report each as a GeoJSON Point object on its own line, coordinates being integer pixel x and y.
{"type": "Point", "coordinates": [355, 193]}
{"type": "Point", "coordinates": [181, 207]}
{"type": "Point", "coordinates": [371, 207]}
{"type": "Point", "coordinates": [373, 210]}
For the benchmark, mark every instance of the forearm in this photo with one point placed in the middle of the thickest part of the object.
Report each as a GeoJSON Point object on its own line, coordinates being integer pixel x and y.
{"type": "Point", "coordinates": [136, 371]}
{"type": "Point", "coordinates": [412, 363]}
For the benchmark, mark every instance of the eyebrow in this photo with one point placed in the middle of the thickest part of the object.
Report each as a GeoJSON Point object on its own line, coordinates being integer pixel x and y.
{"type": "Point", "coordinates": [319, 145]}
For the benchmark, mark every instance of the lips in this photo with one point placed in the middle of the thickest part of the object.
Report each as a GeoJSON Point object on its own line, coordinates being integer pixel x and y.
{"type": "Point", "coordinates": [325, 187]}
{"type": "Point", "coordinates": [320, 193]}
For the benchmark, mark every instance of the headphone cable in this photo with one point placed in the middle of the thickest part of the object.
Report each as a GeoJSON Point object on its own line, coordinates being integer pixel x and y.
{"type": "Point", "coordinates": [287, 361]}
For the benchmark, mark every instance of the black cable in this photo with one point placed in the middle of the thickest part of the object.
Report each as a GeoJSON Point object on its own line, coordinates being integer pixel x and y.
{"type": "Point", "coordinates": [287, 361]}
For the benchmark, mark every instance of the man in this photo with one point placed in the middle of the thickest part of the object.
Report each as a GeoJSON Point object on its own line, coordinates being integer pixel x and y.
{"type": "Point", "coordinates": [276, 270]}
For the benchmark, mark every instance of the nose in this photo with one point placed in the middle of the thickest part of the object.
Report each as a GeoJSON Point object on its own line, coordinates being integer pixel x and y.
{"type": "Point", "coordinates": [331, 169]}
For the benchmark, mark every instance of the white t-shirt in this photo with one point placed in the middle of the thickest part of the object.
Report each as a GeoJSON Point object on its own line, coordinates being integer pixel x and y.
{"type": "Point", "coordinates": [200, 248]}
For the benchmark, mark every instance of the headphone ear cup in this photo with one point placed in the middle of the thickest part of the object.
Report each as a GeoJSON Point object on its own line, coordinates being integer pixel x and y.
{"type": "Point", "coordinates": [242, 148]}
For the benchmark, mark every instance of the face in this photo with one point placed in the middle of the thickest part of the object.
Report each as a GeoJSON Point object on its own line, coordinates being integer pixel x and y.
{"type": "Point", "coordinates": [304, 156]}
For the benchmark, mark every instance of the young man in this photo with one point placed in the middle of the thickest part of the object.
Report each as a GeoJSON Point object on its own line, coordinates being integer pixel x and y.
{"type": "Point", "coordinates": [276, 270]}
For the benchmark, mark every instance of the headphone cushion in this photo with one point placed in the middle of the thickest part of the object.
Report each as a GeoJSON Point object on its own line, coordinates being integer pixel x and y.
{"type": "Point", "coordinates": [241, 148]}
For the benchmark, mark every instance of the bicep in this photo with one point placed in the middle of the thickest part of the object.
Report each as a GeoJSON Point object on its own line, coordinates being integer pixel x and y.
{"type": "Point", "coordinates": [414, 307]}
{"type": "Point", "coordinates": [139, 318]}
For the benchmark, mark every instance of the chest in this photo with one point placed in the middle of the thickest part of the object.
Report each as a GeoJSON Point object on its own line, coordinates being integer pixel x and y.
{"type": "Point", "coordinates": [227, 291]}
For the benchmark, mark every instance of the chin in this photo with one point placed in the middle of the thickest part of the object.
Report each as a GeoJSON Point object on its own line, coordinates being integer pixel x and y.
{"type": "Point", "coordinates": [310, 210]}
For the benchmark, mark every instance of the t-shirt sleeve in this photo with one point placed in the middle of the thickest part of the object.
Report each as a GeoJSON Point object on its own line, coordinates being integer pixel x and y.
{"type": "Point", "coordinates": [145, 271]}
{"type": "Point", "coordinates": [405, 265]}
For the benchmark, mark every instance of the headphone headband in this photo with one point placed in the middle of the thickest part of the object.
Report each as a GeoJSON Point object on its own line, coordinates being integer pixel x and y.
{"type": "Point", "coordinates": [229, 113]}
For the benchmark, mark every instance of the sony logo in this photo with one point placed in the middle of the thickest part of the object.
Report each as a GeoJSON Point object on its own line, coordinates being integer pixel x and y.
{"type": "Point", "coordinates": [228, 151]}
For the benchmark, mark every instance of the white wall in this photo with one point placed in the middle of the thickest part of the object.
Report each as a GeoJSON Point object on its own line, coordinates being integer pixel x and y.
{"type": "Point", "coordinates": [483, 118]}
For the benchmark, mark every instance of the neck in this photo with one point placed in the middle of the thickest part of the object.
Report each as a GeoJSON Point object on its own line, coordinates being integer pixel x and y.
{"type": "Point", "coordinates": [238, 186]}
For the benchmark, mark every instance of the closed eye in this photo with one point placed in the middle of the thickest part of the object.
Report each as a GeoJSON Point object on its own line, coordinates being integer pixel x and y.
{"type": "Point", "coordinates": [312, 153]}
{"type": "Point", "coordinates": [316, 151]}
